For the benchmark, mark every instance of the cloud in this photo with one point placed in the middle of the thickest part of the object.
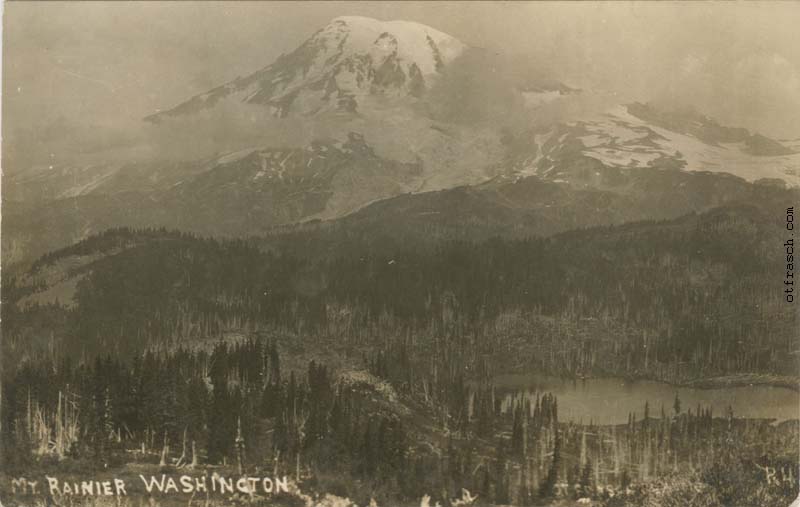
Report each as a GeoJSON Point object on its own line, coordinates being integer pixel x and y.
{"type": "Point", "coordinates": [756, 90]}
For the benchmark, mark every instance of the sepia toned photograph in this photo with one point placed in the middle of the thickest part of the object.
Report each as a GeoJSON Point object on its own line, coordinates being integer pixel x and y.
{"type": "Point", "coordinates": [399, 254]}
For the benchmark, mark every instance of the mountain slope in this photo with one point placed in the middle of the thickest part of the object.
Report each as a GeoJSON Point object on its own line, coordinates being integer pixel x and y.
{"type": "Point", "coordinates": [523, 207]}
{"type": "Point", "coordinates": [642, 171]}
{"type": "Point", "coordinates": [601, 151]}
{"type": "Point", "coordinates": [338, 68]}
{"type": "Point", "coordinates": [241, 194]}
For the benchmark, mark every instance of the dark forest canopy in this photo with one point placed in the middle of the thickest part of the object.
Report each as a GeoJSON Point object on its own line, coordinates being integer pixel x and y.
{"type": "Point", "coordinates": [677, 298]}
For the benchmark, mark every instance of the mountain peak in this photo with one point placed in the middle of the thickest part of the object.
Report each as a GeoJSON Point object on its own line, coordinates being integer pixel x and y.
{"type": "Point", "coordinates": [415, 42]}
{"type": "Point", "coordinates": [352, 57]}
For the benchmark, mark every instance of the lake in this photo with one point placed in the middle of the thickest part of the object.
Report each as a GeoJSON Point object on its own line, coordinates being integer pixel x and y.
{"type": "Point", "coordinates": [610, 400]}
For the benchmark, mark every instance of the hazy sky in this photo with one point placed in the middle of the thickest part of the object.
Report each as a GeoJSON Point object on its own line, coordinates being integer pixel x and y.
{"type": "Point", "coordinates": [97, 63]}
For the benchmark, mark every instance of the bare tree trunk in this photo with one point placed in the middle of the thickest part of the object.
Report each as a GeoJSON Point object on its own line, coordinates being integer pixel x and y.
{"type": "Point", "coordinates": [194, 463]}
{"type": "Point", "coordinates": [181, 461]}
{"type": "Point", "coordinates": [164, 451]}
{"type": "Point", "coordinates": [59, 429]}
{"type": "Point", "coordinates": [239, 446]}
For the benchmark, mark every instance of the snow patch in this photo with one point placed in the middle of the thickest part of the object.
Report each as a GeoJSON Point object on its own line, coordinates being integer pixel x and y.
{"type": "Point", "coordinates": [364, 37]}
{"type": "Point", "coordinates": [536, 99]}
{"type": "Point", "coordinates": [619, 139]}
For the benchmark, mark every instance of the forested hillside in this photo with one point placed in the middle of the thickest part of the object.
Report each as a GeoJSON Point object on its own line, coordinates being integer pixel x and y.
{"type": "Point", "coordinates": [368, 434]}
{"type": "Point", "coordinates": [672, 300]}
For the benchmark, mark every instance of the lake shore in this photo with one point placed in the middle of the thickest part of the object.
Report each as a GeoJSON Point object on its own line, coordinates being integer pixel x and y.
{"type": "Point", "coordinates": [719, 382]}
{"type": "Point", "coordinates": [745, 380]}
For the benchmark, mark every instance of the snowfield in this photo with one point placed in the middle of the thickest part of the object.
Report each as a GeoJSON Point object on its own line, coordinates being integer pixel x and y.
{"type": "Point", "coordinates": [619, 139]}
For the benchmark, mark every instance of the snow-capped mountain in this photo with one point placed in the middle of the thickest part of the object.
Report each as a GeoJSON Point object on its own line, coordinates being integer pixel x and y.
{"type": "Point", "coordinates": [380, 142]}
{"type": "Point", "coordinates": [598, 151]}
{"type": "Point", "coordinates": [340, 66]}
